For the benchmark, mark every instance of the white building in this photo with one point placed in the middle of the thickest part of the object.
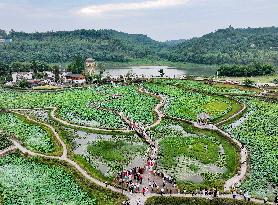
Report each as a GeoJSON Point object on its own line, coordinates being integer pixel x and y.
{"type": "Point", "coordinates": [17, 76]}
{"type": "Point", "coordinates": [49, 74]}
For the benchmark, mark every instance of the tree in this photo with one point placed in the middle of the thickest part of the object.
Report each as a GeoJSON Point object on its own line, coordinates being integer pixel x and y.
{"type": "Point", "coordinates": [23, 84]}
{"type": "Point", "coordinates": [101, 69]}
{"type": "Point", "coordinates": [248, 83]}
{"type": "Point", "coordinates": [56, 71]}
{"type": "Point", "coordinates": [77, 66]}
{"type": "Point", "coordinates": [161, 71]}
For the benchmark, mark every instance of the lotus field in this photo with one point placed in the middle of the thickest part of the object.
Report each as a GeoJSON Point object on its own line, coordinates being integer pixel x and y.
{"type": "Point", "coordinates": [187, 104]}
{"type": "Point", "coordinates": [33, 136]}
{"type": "Point", "coordinates": [68, 154]}
{"type": "Point", "coordinates": [26, 181]}
{"type": "Point", "coordinates": [259, 132]}
{"type": "Point", "coordinates": [202, 87]}
{"type": "Point", "coordinates": [194, 156]}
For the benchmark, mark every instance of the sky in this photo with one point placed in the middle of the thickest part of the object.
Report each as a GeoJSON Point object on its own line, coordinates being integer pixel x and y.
{"type": "Point", "coordinates": [159, 19]}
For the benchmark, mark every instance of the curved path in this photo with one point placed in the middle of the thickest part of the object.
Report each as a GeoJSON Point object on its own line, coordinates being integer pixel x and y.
{"type": "Point", "coordinates": [241, 174]}
{"type": "Point", "coordinates": [7, 151]}
{"type": "Point", "coordinates": [158, 107]}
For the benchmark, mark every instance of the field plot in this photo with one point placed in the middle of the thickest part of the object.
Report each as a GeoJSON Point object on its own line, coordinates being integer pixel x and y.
{"type": "Point", "coordinates": [81, 106]}
{"type": "Point", "coordinates": [97, 138]}
{"type": "Point", "coordinates": [33, 136]}
{"type": "Point", "coordinates": [215, 88]}
{"type": "Point", "coordinates": [187, 104]}
{"type": "Point", "coordinates": [259, 132]}
{"type": "Point", "coordinates": [27, 181]}
{"type": "Point", "coordinates": [196, 158]}
{"type": "Point", "coordinates": [111, 154]}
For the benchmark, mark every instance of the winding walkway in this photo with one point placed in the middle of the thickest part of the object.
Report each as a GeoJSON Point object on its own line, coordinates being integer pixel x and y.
{"type": "Point", "coordinates": [7, 150]}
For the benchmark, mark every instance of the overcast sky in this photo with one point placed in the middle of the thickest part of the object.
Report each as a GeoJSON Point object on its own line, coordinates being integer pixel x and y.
{"type": "Point", "coordinates": [159, 19]}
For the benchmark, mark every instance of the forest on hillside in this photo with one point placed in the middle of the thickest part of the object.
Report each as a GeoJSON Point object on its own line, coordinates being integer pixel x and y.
{"type": "Point", "coordinates": [224, 46]}
{"type": "Point", "coordinates": [229, 46]}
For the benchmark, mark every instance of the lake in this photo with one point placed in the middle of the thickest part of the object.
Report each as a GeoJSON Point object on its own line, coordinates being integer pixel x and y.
{"type": "Point", "coordinates": [169, 71]}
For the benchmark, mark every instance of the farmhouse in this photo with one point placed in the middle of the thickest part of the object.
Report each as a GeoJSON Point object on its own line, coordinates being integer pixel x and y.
{"type": "Point", "coordinates": [17, 76]}
{"type": "Point", "coordinates": [49, 75]}
{"type": "Point", "coordinates": [75, 78]}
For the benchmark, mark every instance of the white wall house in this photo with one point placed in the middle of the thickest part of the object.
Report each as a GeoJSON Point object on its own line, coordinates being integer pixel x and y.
{"type": "Point", "coordinates": [17, 76]}
{"type": "Point", "coordinates": [49, 74]}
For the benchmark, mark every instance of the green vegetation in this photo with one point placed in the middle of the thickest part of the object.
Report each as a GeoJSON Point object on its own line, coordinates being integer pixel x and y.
{"type": "Point", "coordinates": [64, 46]}
{"type": "Point", "coordinates": [225, 46]}
{"type": "Point", "coordinates": [194, 201]}
{"type": "Point", "coordinates": [259, 133]}
{"type": "Point", "coordinates": [79, 106]}
{"type": "Point", "coordinates": [29, 182]}
{"type": "Point", "coordinates": [4, 141]}
{"type": "Point", "coordinates": [207, 87]}
{"type": "Point", "coordinates": [57, 184]}
{"type": "Point", "coordinates": [228, 46]}
{"type": "Point", "coordinates": [77, 66]}
{"type": "Point", "coordinates": [187, 104]}
{"type": "Point", "coordinates": [246, 70]}
{"type": "Point", "coordinates": [116, 153]}
{"type": "Point", "coordinates": [33, 136]}
{"type": "Point", "coordinates": [186, 151]}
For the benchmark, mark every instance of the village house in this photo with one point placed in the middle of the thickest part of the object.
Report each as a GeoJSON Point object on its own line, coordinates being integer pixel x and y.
{"type": "Point", "coordinates": [18, 76]}
{"type": "Point", "coordinates": [75, 78]}
{"type": "Point", "coordinates": [49, 75]}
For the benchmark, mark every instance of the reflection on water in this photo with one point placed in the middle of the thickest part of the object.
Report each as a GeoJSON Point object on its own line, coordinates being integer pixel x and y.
{"type": "Point", "coordinates": [154, 71]}
{"type": "Point", "coordinates": [85, 139]}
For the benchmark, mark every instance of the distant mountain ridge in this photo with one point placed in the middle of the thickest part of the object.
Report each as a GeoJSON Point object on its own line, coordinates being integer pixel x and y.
{"type": "Point", "coordinates": [224, 46]}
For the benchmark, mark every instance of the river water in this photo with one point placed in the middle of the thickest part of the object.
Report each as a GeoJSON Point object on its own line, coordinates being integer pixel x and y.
{"type": "Point", "coordinates": [149, 71]}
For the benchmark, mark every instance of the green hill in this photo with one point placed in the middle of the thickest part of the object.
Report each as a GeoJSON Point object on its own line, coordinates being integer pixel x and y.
{"type": "Point", "coordinates": [231, 46]}
{"type": "Point", "coordinates": [224, 46]}
{"type": "Point", "coordinates": [63, 46]}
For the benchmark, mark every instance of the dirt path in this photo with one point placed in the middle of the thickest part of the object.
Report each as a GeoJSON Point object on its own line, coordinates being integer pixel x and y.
{"type": "Point", "coordinates": [70, 162]}
{"type": "Point", "coordinates": [7, 151]}
{"type": "Point", "coordinates": [158, 107]}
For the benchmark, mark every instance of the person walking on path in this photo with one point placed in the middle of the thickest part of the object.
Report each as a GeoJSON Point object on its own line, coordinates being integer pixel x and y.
{"type": "Point", "coordinates": [234, 194]}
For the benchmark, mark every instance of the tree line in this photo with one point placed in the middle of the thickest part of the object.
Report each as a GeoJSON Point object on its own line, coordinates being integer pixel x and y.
{"type": "Point", "coordinates": [245, 70]}
{"type": "Point", "coordinates": [224, 46]}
